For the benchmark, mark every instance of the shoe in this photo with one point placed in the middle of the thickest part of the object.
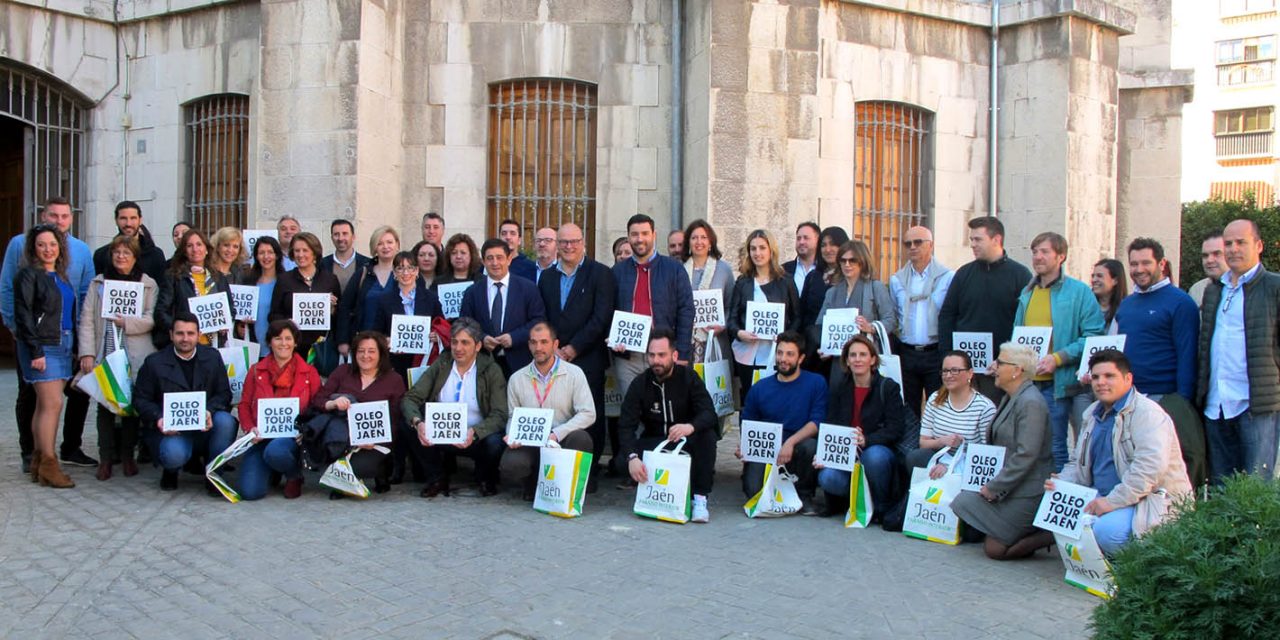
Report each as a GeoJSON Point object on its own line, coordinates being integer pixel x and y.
{"type": "Point", "coordinates": [700, 513]}
{"type": "Point", "coordinates": [104, 471]}
{"type": "Point", "coordinates": [26, 464]}
{"type": "Point", "coordinates": [627, 484]}
{"type": "Point", "coordinates": [831, 505]}
{"type": "Point", "coordinates": [77, 458]}
{"type": "Point", "coordinates": [52, 475]}
{"type": "Point", "coordinates": [529, 490]}
{"type": "Point", "coordinates": [381, 485]}
{"type": "Point", "coordinates": [292, 488]}
{"type": "Point", "coordinates": [273, 479]}
{"type": "Point", "coordinates": [129, 467]}
{"type": "Point", "coordinates": [168, 480]}
{"type": "Point", "coordinates": [593, 482]}
{"type": "Point", "coordinates": [808, 507]}
{"type": "Point", "coordinates": [32, 466]}
{"type": "Point", "coordinates": [336, 495]}
{"type": "Point", "coordinates": [488, 489]}
{"type": "Point", "coordinates": [434, 489]}
{"type": "Point", "coordinates": [397, 472]}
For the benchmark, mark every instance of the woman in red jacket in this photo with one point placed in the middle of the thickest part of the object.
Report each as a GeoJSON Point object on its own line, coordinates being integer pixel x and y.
{"type": "Point", "coordinates": [282, 374]}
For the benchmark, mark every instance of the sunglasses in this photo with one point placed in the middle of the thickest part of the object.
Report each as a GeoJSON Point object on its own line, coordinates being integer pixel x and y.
{"type": "Point", "coordinates": [913, 243]}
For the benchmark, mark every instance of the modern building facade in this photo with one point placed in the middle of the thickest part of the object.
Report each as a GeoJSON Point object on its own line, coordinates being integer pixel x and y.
{"type": "Point", "coordinates": [869, 114]}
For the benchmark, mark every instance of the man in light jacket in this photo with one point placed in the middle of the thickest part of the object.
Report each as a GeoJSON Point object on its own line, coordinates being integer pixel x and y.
{"type": "Point", "coordinates": [1129, 452]}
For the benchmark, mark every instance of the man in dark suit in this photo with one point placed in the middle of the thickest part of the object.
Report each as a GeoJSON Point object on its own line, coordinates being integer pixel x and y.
{"type": "Point", "coordinates": [345, 261]}
{"type": "Point", "coordinates": [807, 256]}
{"type": "Point", "coordinates": [506, 308]}
{"type": "Point", "coordinates": [578, 294]}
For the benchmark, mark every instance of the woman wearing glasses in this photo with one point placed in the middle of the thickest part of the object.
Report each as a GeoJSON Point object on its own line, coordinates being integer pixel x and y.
{"type": "Point", "coordinates": [1006, 506]}
{"type": "Point", "coordinates": [44, 307]}
{"type": "Point", "coordinates": [853, 286]}
{"type": "Point", "coordinates": [953, 415]}
{"type": "Point", "coordinates": [762, 280]}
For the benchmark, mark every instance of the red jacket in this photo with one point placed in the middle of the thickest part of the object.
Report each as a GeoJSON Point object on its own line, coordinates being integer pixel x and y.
{"type": "Point", "coordinates": [306, 382]}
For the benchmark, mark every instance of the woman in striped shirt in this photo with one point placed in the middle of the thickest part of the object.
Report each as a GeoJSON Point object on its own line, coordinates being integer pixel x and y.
{"type": "Point", "coordinates": [953, 415]}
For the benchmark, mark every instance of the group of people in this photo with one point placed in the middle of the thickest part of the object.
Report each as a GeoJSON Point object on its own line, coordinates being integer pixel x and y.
{"type": "Point", "coordinates": [532, 333]}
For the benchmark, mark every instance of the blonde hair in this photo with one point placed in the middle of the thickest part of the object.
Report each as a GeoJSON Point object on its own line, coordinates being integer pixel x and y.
{"type": "Point", "coordinates": [1020, 356]}
{"type": "Point", "coordinates": [748, 268]}
{"type": "Point", "coordinates": [223, 236]}
{"type": "Point", "coordinates": [377, 235]}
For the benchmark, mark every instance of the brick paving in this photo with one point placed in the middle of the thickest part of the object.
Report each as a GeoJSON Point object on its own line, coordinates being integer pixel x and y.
{"type": "Point", "coordinates": [121, 559]}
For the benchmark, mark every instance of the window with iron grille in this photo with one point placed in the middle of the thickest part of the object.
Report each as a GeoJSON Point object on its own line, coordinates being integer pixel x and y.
{"type": "Point", "coordinates": [52, 120]}
{"type": "Point", "coordinates": [890, 164]}
{"type": "Point", "coordinates": [542, 156]}
{"type": "Point", "coordinates": [218, 162]}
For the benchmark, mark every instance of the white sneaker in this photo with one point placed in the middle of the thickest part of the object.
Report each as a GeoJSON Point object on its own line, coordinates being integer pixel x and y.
{"type": "Point", "coordinates": [700, 513]}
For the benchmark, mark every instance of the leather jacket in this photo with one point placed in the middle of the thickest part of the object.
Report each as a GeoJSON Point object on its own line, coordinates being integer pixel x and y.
{"type": "Point", "coordinates": [37, 310]}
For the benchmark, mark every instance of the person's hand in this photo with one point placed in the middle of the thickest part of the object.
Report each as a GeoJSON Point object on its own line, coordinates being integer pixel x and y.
{"type": "Point", "coordinates": [510, 444]}
{"type": "Point", "coordinates": [422, 434]}
{"type": "Point", "coordinates": [333, 302]}
{"type": "Point", "coordinates": [737, 452]}
{"type": "Point", "coordinates": [86, 364]}
{"type": "Point", "coordinates": [638, 473]}
{"type": "Point", "coordinates": [568, 353]}
{"type": "Point", "coordinates": [1099, 506]}
{"type": "Point", "coordinates": [992, 366]}
{"type": "Point", "coordinates": [1086, 379]}
{"type": "Point", "coordinates": [434, 338]}
{"type": "Point", "coordinates": [746, 336]}
{"type": "Point", "coordinates": [365, 447]}
{"type": "Point", "coordinates": [256, 438]}
{"type": "Point", "coordinates": [824, 357]}
{"type": "Point", "coordinates": [784, 454]}
{"type": "Point", "coordinates": [344, 349]}
{"type": "Point", "coordinates": [160, 426]}
{"type": "Point", "coordinates": [955, 440]}
{"type": "Point", "coordinates": [865, 326]}
{"type": "Point", "coordinates": [208, 421]}
{"type": "Point", "coordinates": [471, 436]}
{"type": "Point", "coordinates": [718, 328]}
{"type": "Point", "coordinates": [118, 321]}
{"type": "Point", "coordinates": [619, 348]}
{"type": "Point", "coordinates": [38, 364]}
{"type": "Point", "coordinates": [987, 494]}
{"type": "Point", "coordinates": [818, 465]}
{"type": "Point", "coordinates": [859, 437]}
{"type": "Point", "coordinates": [1046, 366]}
{"type": "Point", "coordinates": [679, 431]}
{"type": "Point", "coordinates": [504, 340]}
{"type": "Point", "coordinates": [553, 438]}
{"type": "Point", "coordinates": [341, 404]}
{"type": "Point", "coordinates": [937, 471]}
{"type": "Point", "coordinates": [490, 343]}
{"type": "Point", "coordinates": [1048, 484]}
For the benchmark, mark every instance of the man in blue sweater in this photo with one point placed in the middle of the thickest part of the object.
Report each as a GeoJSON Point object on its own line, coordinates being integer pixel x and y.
{"type": "Point", "coordinates": [798, 400]}
{"type": "Point", "coordinates": [57, 211]}
{"type": "Point", "coordinates": [1161, 324]}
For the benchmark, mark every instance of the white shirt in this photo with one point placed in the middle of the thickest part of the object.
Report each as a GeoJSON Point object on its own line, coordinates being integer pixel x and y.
{"type": "Point", "coordinates": [802, 272]}
{"type": "Point", "coordinates": [1228, 373]}
{"type": "Point", "coordinates": [344, 263]}
{"type": "Point", "coordinates": [461, 387]}
{"type": "Point", "coordinates": [506, 296]}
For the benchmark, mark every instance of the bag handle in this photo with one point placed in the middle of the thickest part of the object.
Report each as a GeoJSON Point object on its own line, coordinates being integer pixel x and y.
{"type": "Point", "coordinates": [712, 353]}
{"type": "Point", "coordinates": [882, 336]}
{"type": "Point", "coordinates": [675, 451]}
{"type": "Point", "coordinates": [959, 455]}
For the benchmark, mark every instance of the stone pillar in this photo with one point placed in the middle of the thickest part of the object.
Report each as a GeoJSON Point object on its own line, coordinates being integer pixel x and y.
{"type": "Point", "coordinates": [1149, 199]}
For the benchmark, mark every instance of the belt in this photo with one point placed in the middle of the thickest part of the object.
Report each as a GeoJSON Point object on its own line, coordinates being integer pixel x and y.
{"type": "Point", "coordinates": [920, 347]}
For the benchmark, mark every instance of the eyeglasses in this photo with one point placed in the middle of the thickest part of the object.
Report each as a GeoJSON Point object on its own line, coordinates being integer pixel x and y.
{"type": "Point", "coordinates": [569, 242]}
{"type": "Point", "coordinates": [953, 372]}
{"type": "Point", "coordinates": [1006, 362]}
{"type": "Point", "coordinates": [543, 240]}
{"type": "Point", "coordinates": [914, 243]}
{"type": "Point", "coordinates": [406, 268]}
{"type": "Point", "coordinates": [848, 261]}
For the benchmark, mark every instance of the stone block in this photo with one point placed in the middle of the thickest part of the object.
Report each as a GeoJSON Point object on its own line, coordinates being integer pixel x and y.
{"type": "Point", "coordinates": [654, 127]}
{"type": "Point", "coordinates": [454, 84]}
{"type": "Point", "coordinates": [725, 203]}
{"type": "Point", "coordinates": [958, 116]}
{"type": "Point", "coordinates": [802, 117]}
{"type": "Point", "coordinates": [597, 11]}
{"type": "Point", "coordinates": [278, 68]}
{"type": "Point", "coordinates": [729, 112]}
{"type": "Point", "coordinates": [456, 167]}
{"type": "Point", "coordinates": [835, 138]}
{"type": "Point", "coordinates": [617, 126]}
{"type": "Point", "coordinates": [322, 154]}
{"type": "Point", "coordinates": [656, 205]}
{"type": "Point", "coordinates": [802, 29]}
{"type": "Point", "coordinates": [802, 162]}
{"type": "Point", "coordinates": [765, 70]}
{"type": "Point", "coordinates": [728, 67]}
{"type": "Point", "coordinates": [801, 72]}
{"type": "Point", "coordinates": [646, 89]}
{"type": "Point", "coordinates": [766, 25]}
{"type": "Point", "coordinates": [644, 168]}
{"type": "Point", "coordinates": [730, 21]}
{"type": "Point", "coordinates": [466, 125]}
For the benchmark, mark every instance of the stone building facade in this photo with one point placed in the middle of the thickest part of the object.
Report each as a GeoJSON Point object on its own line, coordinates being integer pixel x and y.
{"type": "Point", "coordinates": [867, 114]}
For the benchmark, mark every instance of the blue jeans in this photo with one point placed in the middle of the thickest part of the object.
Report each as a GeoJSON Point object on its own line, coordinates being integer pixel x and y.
{"type": "Point", "coordinates": [1113, 529]}
{"type": "Point", "coordinates": [877, 462]}
{"type": "Point", "coordinates": [1059, 417]}
{"type": "Point", "coordinates": [1246, 443]}
{"type": "Point", "coordinates": [175, 450]}
{"type": "Point", "coordinates": [279, 455]}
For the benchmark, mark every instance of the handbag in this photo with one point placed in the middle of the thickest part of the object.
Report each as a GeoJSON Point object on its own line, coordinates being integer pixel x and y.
{"type": "Point", "coordinates": [562, 481]}
{"type": "Point", "coordinates": [777, 497]}
{"type": "Point", "coordinates": [665, 494]}
{"type": "Point", "coordinates": [890, 364]}
{"type": "Point", "coordinates": [324, 355]}
{"type": "Point", "coordinates": [715, 374]}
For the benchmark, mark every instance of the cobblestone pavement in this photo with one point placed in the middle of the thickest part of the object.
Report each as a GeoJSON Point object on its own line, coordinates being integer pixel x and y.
{"type": "Point", "coordinates": [121, 559]}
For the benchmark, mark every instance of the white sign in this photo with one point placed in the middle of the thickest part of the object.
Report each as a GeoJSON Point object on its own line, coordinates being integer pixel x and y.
{"type": "Point", "coordinates": [760, 441]}
{"type": "Point", "coordinates": [1094, 344]}
{"type": "Point", "coordinates": [277, 418]}
{"type": "Point", "coordinates": [446, 422]}
{"type": "Point", "coordinates": [121, 297]}
{"type": "Point", "coordinates": [311, 311]}
{"type": "Point", "coordinates": [981, 463]}
{"type": "Point", "coordinates": [451, 297]}
{"type": "Point", "coordinates": [838, 326]}
{"type": "Point", "coordinates": [213, 312]}
{"type": "Point", "coordinates": [1062, 510]}
{"type": "Point", "coordinates": [530, 427]}
{"type": "Point", "coordinates": [369, 423]}
{"type": "Point", "coordinates": [708, 308]}
{"type": "Point", "coordinates": [251, 242]}
{"type": "Point", "coordinates": [977, 345]}
{"type": "Point", "coordinates": [409, 334]}
{"type": "Point", "coordinates": [766, 319]}
{"type": "Point", "coordinates": [244, 301]}
{"type": "Point", "coordinates": [184, 411]}
{"type": "Point", "coordinates": [837, 447]}
{"type": "Point", "coordinates": [630, 330]}
{"type": "Point", "coordinates": [1035, 337]}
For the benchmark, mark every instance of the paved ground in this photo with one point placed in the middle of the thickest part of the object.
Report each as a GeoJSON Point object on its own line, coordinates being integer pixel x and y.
{"type": "Point", "coordinates": [121, 559]}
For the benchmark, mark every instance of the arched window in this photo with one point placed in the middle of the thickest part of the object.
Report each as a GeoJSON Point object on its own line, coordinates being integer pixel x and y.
{"type": "Point", "coordinates": [542, 155]}
{"type": "Point", "coordinates": [217, 162]}
{"type": "Point", "coordinates": [890, 162]}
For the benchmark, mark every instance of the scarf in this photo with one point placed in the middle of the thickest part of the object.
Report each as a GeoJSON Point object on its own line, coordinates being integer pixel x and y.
{"type": "Point", "coordinates": [282, 378]}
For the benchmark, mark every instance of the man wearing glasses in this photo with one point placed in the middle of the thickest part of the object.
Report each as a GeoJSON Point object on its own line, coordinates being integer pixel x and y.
{"type": "Point", "coordinates": [544, 249]}
{"type": "Point", "coordinates": [1239, 380]}
{"type": "Point", "coordinates": [578, 295]}
{"type": "Point", "coordinates": [919, 289]}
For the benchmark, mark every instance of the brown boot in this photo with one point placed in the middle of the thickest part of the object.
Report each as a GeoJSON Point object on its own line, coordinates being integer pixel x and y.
{"type": "Point", "coordinates": [104, 471]}
{"type": "Point", "coordinates": [51, 475]}
{"type": "Point", "coordinates": [35, 465]}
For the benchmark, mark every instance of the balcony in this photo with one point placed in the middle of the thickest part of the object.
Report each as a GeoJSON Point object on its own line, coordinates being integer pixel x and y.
{"type": "Point", "coordinates": [1246, 73]}
{"type": "Point", "coordinates": [1244, 145]}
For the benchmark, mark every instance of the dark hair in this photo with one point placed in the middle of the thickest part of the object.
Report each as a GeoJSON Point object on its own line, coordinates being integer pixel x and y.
{"type": "Point", "coordinates": [127, 242]}
{"type": "Point", "coordinates": [278, 327]}
{"type": "Point", "coordinates": [617, 243]}
{"type": "Point", "coordinates": [990, 224]}
{"type": "Point", "coordinates": [255, 271]}
{"type": "Point", "coordinates": [384, 351]}
{"type": "Point", "coordinates": [640, 218]}
{"type": "Point", "coordinates": [1138, 244]}
{"type": "Point", "coordinates": [56, 200]}
{"type": "Point", "coordinates": [179, 223]}
{"type": "Point", "coordinates": [1118, 292]}
{"type": "Point", "coordinates": [431, 215]}
{"type": "Point", "coordinates": [468, 326]}
{"type": "Point", "coordinates": [462, 238]}
{"type": "Point", "coordinates": [714, 252]}
{"type": "Point", "coordinates": [405, 256]}
{"type": "Point", "coordinates": [312, 242]}
{"type": "Point", "coordinates": [1114, 356]}
{"type": "Point", "coordinates": [128, 204]}
{"type": "Point", "coordinates": [1055, 240]}
{"type": "Point", "coordinates": [861, 256]}
{"type": "Point", "coordinates": [543, 324]}
{"type": "Point", "coordinates": [792, 337]}
{"type": "Point", "coordinates": [179, 264]}
{"type": "Point", "coordinates": [184, 316]}
{"type": "Point", "coordinates": [342, 221]}
{"type": "Point", "coordinates": [509, 221]}
{"type": "Point", "coordinates": [838, 236]}
{"type": "Point", "coordinates": [417, 248]}
{"type": "Point", "coordinates": [29, 250]}
{"type": "Point", "coordinates": [1216, 233]}
{"type": "Point", "coordinates": [812, 225]}
{"type": "Point", "coordinates": [862, 340]}
{"type": "Point", "coordinates": [940, 398]}
{"type": "Point", "coordinates": [494, 243]}
{"type": "Point", "coordinates": [663, 333]}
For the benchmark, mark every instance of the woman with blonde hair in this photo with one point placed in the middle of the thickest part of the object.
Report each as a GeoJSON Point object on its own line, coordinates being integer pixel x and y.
{"type": "Point", "coordinates": [762, 279]}
{"type": "Point", "coordinates": [364, 289]}
{"type": "Point", "coordinates": [229, 256]}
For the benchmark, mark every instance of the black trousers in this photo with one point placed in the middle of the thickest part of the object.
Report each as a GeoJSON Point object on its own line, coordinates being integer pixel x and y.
{"type": "Point", "coordinates": [437, 460]}
{"type": "Point", "coordinates": [921, 375]}
{"type": "Point", "coordinates": [112, 444]}
{"type": "Point", "coordinates": [73, 423]}
{"type": "Point", "coordinates": [701, 448]}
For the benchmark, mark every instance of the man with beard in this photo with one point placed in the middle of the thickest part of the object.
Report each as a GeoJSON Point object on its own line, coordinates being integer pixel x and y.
{"type": "Point", "coordinates": [129, 223]}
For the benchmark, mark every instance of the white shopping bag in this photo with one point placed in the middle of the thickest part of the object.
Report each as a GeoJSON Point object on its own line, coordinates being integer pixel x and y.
{"type": "Point", "coordinates": [665, 493]}
{"type": "Point", "coordinates": [929, 515]}
{"type": "Point", "coordinates": [1087, 568]}
{"type": "Point", "coordinates": [342, 479]}
{"type": "Point", "coordinates": [777, 497]}
{"type": "Point", "coordinates": [236, 360]}
{"type": "Point", "coordinates": [562, 481]}
{"type": "Point", "coordinates": [890, 365]}
{"type": "Point", "coordinates": [237, 449]}
{"type": "Point", "coordinates": [715, 373]}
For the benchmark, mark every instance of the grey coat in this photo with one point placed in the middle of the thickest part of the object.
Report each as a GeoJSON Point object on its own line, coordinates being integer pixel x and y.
{"type": "Point", "coordinates": [870, 297]}
{"type": "Point", "coordinates": [1021, 426]}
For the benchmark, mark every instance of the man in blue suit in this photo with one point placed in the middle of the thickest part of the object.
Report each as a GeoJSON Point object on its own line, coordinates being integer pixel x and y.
{"type": "Point", "coordinates": [506, 308]}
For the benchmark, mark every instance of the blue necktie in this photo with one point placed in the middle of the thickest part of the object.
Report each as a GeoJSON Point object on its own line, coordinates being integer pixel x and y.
{"type": "Point", "coordinates": [496, 312]}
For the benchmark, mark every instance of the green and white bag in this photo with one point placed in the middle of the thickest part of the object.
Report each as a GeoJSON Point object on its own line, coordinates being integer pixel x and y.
{"type": "Point", "coordinates": [860, 506]}
{"type": "Point", "coordinates": [1087, 568]}
{"type": "Point", "coordinates": [237, 449]}
{"type": "Point", "coordinates": [929, 515]}
{"type": "Point", "coordinates": [777, 496]}
{"type": "Point", "coordinates": [665, 494]}
{"type": "Point", "coordinates": [562, 481]}
{"type": "Point", "coordinates": [342, 479]}
{"type": "Point", "coordinates": [111, 384]}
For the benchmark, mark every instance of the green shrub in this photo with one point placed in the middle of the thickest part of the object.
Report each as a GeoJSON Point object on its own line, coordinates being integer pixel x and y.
{"type": "Point", "coordinates": [1214, 572]}
{"type": "Point", "coordinates": [1201, 218]}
